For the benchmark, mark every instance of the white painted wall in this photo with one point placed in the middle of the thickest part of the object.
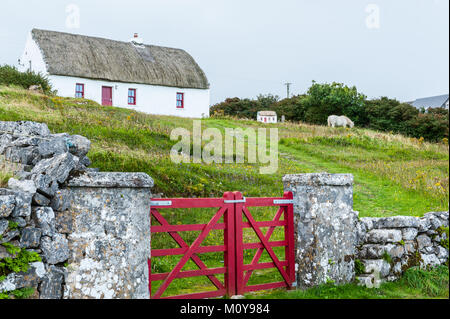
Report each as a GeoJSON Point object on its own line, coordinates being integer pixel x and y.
{"type": "Point", "coordinates": [32, 54]}
{"type": "Point", "coordinates": [151, 99]}
{"type": "Point", "coordinates": [270, 119]}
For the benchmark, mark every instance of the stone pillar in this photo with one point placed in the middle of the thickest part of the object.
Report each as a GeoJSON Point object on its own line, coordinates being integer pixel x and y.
{"type": "Point", "coordinates": [325, 226]}
{"type": "Point", "coordinates": [110, 238]}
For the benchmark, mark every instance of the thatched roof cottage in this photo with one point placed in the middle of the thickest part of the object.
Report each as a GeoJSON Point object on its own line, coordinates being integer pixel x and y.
{"type": "Point", "coordinates": [148, 78]}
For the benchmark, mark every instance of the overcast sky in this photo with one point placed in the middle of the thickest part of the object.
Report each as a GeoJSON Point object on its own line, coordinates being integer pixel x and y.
{"type": "Point", "coordinates": [389, 48]}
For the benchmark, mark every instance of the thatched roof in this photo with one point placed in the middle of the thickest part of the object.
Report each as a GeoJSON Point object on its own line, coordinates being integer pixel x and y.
{"type": "Point", "coordinates": [96, 58]}
{"type": "Point", "coordinates": [267, 113]}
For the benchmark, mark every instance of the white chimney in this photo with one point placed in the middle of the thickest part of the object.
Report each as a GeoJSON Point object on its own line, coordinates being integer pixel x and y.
{"type": "Point", "coordinates": [136, 40]}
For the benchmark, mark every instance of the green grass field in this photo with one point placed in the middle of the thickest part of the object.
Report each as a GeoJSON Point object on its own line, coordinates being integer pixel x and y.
{"type": "Point", "coordinates": [394, 175]}
{"type": "Point", "coordinates": [415, 284]}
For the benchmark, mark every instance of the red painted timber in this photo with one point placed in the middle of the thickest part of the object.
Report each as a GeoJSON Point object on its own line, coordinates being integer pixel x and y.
{"type": "Point", "coordinates": [236, 274]}
{"type": "Point", "coordinates": [191, 273]}
{"type": "Point", "coordinates": [182, 251]}
{"type": "Point", "coordinates": [287, 267]}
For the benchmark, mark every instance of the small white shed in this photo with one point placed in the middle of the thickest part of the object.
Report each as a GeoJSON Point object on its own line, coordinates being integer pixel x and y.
{"type": "Point", "coordinates": [266, 117]}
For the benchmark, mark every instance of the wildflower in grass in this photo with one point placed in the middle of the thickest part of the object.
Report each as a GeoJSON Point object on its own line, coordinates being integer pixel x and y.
{"type": "Point", "coordinates": [421, 139]}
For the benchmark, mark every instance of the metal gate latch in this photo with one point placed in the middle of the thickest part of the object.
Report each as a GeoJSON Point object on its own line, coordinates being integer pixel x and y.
{"type": "Point", "coordinates": [283, 201]}
{"type": "Point", "coordinates": [161, 203]}
{"type": "Point", "coordinates": [232, 201]}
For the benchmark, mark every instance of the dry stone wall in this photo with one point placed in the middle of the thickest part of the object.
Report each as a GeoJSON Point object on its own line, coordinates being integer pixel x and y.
{"type": "Point", "coordinates": [387, 246]}
{"type": "Point", "coordinates": [333, 244]}
{"type": "Point", "coordinates": [54, 207]}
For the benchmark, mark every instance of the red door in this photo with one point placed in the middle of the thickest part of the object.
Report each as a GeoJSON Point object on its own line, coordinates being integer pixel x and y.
{"type": "Point", "coordinates": [107, 95]}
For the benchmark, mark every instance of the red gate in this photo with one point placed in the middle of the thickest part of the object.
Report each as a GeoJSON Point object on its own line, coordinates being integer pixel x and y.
{"type": "Point", "coordinates": [232, 207]}
{"type": "Point", "coordinates": [287, 267]}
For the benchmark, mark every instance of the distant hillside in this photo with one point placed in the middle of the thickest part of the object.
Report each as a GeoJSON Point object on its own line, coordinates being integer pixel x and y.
{"type": "Point", "coordinates": [393, 174]}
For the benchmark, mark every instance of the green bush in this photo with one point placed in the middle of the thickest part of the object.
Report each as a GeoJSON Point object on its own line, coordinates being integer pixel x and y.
{"type": "Point", "coordinates": [326, 99]}
{"type": "Point", "coordinates": [293, 108]}
{"type": "Point", "coordinates": [323, 100]}
{"type": "Point", "coordinates": [9, 75]}
{"type": "Point", "coordinates": [244, 108]}
{"type": "Point", "coordinates": [390, 115]}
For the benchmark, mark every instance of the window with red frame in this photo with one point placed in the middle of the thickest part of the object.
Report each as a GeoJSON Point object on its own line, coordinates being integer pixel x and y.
{"type": "Point", "coordinates": [131, 96]}
{"type": "Point", "coordinates": [180, 100]}
{"type": "Point", "coordinates": [79, 90]}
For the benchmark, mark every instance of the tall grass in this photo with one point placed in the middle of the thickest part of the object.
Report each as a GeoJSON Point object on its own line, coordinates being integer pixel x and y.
{"type": "Point", "coordinates": [414, 284]}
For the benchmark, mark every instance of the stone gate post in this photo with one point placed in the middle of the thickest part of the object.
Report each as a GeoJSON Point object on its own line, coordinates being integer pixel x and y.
{"type": "Point", "coordinates": [110, 236]}
{"type": "Point", "coordinates": [325, 226]}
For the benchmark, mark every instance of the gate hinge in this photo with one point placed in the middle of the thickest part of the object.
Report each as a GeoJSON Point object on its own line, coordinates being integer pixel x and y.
{"type": "Point", "coordinates": [283, 201]}
{"type": "Point", "coordinates": [233, 201]}
{"type": "Point", "coordinates": [161, 203]}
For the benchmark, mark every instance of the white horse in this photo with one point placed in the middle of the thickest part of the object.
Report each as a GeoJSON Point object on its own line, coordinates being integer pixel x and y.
{"type": "Point", "coordinates": [340, 121]}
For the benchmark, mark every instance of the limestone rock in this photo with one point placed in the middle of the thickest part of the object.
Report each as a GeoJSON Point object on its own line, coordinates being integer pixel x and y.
{"type": "Point", "coordinates": [7, 204]}
{"type": "Point", "coordinates": [429, 260]}
{"type": "Point", "coordinates": [55, 249]}
{"type": "Point", "coordinates": [3, 226]}
{"type": "Point", "coordinates": [396, 222]}
{"type": "Point", "coordinates": [24, 128]}
{"type": "Point", "coordinates": [382, 236]}
{"type": "Point", "coordinates": [5, 141]}
{"type": "Point", "coordinates": [51, 286]}
{"type": "Point", "coordinates": [64, 222]}
{"type": "Point", "coordinates": [85, 161]}
{"type": "Point", "coordinates": [23, 204]}
{"type": "Point", "coordinates": [27, 141]}
{"type": "Point", "coordinates": [45, 220]}
{"type": "Point", "coordinates": [376, 251]}
{"type": "Point", "coordinates": [57, 168]}
{"type": "Point", "coordinates": [409, 233]}
{"type": "Point", "coordinates": [31, 278]}
{"type": "Point", "coordinates": [45, 184]}
{"type": "Point", "coordinates": [23, 186]}
{"type": "Point", "coordinates": [22, 207]}
{"type": "Point", "coordinates": [9, 235]}
{"type": "Point", "coordinates": [111, 180]}
{"type": "Point", "coordinates": [54, 146]}
{"type": "Point", "coordinates": [80, 145]}
{"type": "Point", "coordinates": [26, 155]}
{"type": "Point", "coordinates": [4, 253]}
{"type": "Point", "coordinates": [40, 200]}
{"type": "Point", "coordinates": [61, 200]}
{"type": "Point", "coordinates": [441, 253]}
{"type": "Point", "coordinates": [423, 241]}
{"type": "Point", "coordinates": [21, 222]}
{"type": "Point", "coordinates": [30, 237]}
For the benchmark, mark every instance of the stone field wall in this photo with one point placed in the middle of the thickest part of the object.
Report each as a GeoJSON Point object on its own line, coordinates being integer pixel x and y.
{"type": "Point", "coordinates": [90, 229]}
{"type": "Point", "coordinates": [334, 244]}
{"type": "Point", "coordinates": [387, 246]}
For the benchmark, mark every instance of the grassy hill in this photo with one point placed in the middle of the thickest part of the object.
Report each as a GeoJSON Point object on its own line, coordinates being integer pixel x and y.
{"type": "Point", "coordinates": [394, 175]}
